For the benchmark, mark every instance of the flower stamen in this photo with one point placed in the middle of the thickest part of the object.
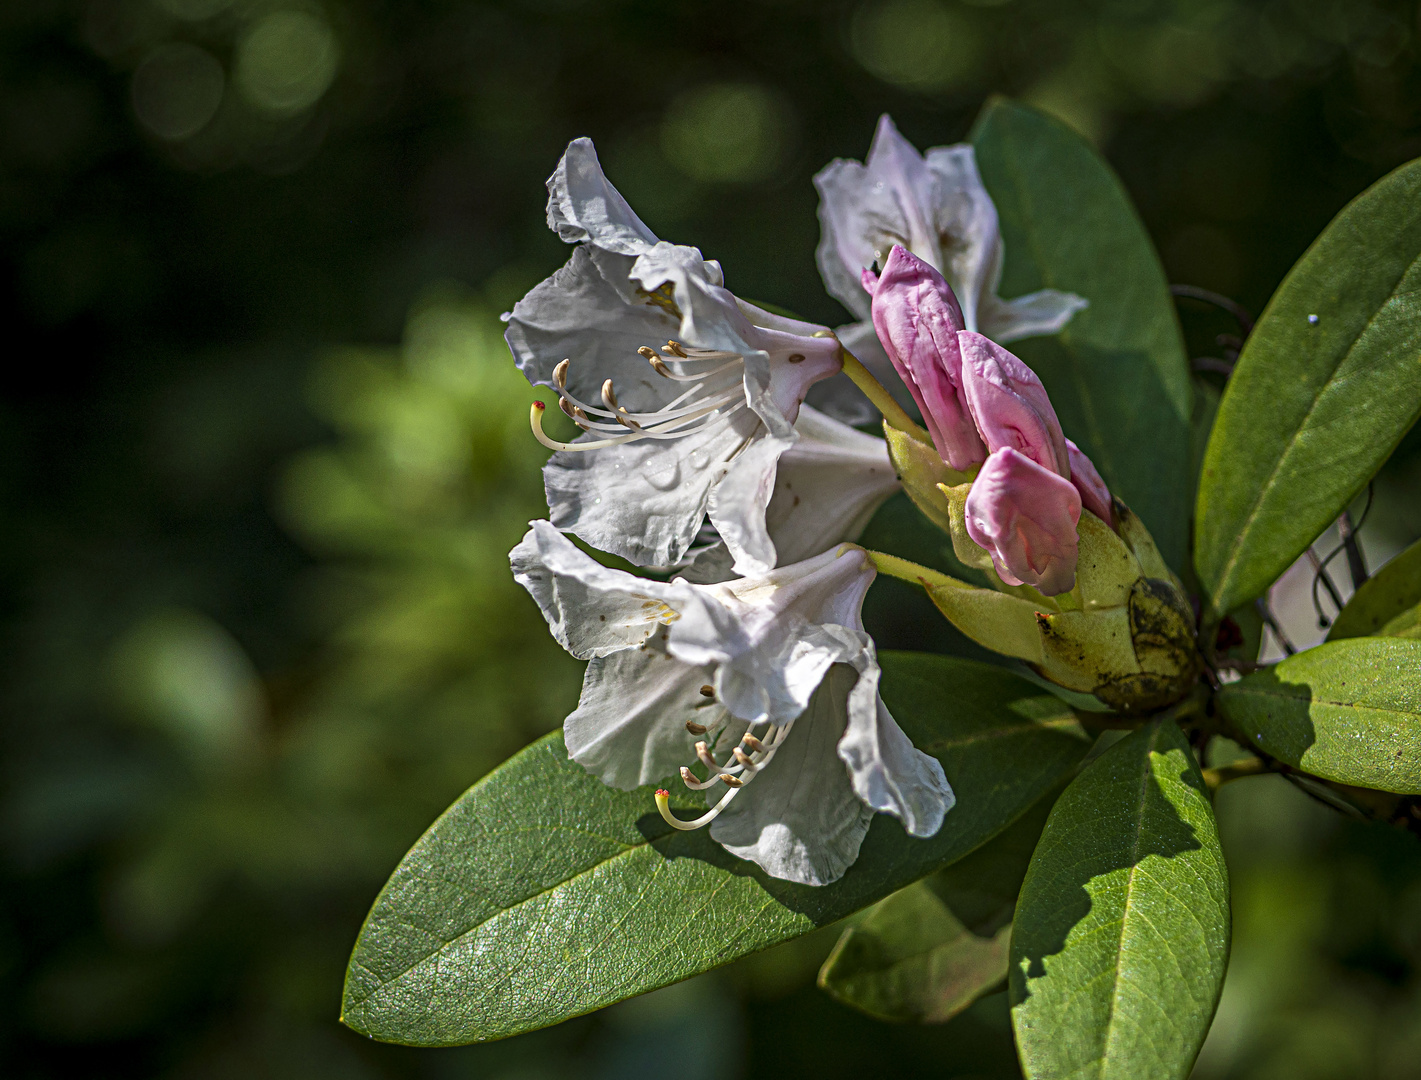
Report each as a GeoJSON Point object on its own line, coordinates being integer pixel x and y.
{"type": "Point", "coordinates": [748, 766]}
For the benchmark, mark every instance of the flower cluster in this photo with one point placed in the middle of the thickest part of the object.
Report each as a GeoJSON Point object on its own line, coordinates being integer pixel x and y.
{"type": "Point", "coordinates": [699, 459]}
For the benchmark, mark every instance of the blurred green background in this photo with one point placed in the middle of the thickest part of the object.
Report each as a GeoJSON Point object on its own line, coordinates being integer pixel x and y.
{"type": "Point", "coordinates": [262, 454]}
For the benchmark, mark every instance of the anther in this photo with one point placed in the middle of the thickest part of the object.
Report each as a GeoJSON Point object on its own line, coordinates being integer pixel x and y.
{"type": "Point", "coordinates": [608, 396]}
{"type": "Point", "coordinates": [753, 743]}
{"type": "Point", "coordinates": [742, 757]}
{"type": "Point", "coordinates": [647, 352]}
{"type": "Point", "coordinates": [695, 728]}
{"type": "Point", "coordinates": [708, 691]}
{"type": "Point", "coordinates": [687, 776]}
{"type": "Point", "coordinates": [626, 421]}
{"type": "Point", "coordinates": [730, 781]}
{"type": "Point", "coordinates": [560, 374]}
{"type": "Point", "coordinates": [567, 407]}
{"type": "Point", "coordinates": [675, 349]}
{"type": "Point", "coordinates": [703, 752]}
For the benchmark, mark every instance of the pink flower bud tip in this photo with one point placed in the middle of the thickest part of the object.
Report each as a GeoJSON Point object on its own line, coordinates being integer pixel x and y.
{"type": "Point", "coordinates": [1025, 516]}
{"type": "Point", "coordinates": [917, 317]}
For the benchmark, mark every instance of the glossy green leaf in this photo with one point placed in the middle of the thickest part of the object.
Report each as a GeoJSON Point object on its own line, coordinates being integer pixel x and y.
{"type": "Point", "coordinates": [543, 894]}
{"type": "Point", "coordinates": [1388, 604]}
{"type": "Point", "coordinates": [1328, 383]}
{"type": "Point", "coordinates": [928, 951]}
{"type": "Point", "coordinates": [1121, 935]}
{"type": "Point", "coordinates": [1118, 374]}
{"type": "Point", "coordinates": [1348, 711]}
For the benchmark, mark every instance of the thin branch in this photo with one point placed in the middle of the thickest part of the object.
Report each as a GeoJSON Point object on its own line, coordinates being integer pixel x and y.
{"type": "Point", "coordinates": [1237, 310]}
{"type": "Point", "coordinates": [1266, 614]}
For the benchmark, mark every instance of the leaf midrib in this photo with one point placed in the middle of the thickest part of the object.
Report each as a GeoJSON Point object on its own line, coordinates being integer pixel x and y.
{"type": "Point", "coordinates": [1145, 775]}
{"type": "Point", "coordinates": [1283, 695]}
{"type": "Point", "coordinates": [1236, 548]}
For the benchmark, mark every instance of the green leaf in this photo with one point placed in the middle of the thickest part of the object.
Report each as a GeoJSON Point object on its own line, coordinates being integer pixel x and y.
{"type": "Point", "coordinates": [1328, 383]}
{"type": "Point", "coordinates": [1388, 604]}
{"type": "Point", "coordinates": [928, 951]}
{"type": "Point", "coordinates": [1348, 711]}
{"type": "Point", "coordinates": [543, 894]}
{"type": "Point", "coordinates": [1121, 935]}
{"type": "Point", "coordinates": [1118, 374]}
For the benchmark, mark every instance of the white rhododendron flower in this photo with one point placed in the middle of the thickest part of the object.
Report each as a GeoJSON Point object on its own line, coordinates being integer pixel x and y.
{"type": "Point", "coordinates": [768, 683]}
{"type": "Point", "coordinates": [687, 396]}
{"type": "Point", "coordinates": [936, 207]}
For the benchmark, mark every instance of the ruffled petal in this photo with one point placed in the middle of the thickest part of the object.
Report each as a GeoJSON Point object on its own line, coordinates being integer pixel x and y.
{"type": "Point", "coordinates": [887, 771]}
{"type": "Point", "coordinates": [592, 611]}
{"type": "Point", "coordinates": [629, 728]}
{"type": "Point", "coordinates": [968, 240]}
{"type": "Point", "coordinates": [584, 206]}
{"type": "Point", "coordinates": [799, 819]}
{"type": "Point", "coordinates": [827, 487]}
{"type": "Point", "coordinates": [738, 502]}
{"type": "Point", "coordinates": [591, 314]}
{"type": "Point", "coordinates": [865, 209]}
{"type": "Point", "coordinates": [1033, 315]}
{"type": "Point", "coordinates": [644, 501]}
{"type": "Point", "coordinates": [773, 637]}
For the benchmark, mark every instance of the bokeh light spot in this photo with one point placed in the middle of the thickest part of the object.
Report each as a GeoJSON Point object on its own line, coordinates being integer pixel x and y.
{"type": "Point", "coordinates": [176, 90]}
{"type": "Point", "coordinates": [194, 10]}
{"type": "Point", "coordinates": [286, 61]}
{"type": "Point", "coordinates": [729, 133]}
{"type": "Point", "coordinates": [917, 44]}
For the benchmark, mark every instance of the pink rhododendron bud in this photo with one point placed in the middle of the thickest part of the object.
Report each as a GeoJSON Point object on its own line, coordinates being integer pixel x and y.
{"type": "Point", "coordinates": [1009, 404]}
{"type": "Point", "coordinates": [1095, 496]}
{"type": "Point", "coordinates": [917, 319]}
{"type": "Point", "coordinates": [1025, 516]}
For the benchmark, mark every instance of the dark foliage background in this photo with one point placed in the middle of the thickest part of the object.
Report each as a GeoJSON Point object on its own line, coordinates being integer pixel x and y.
{"type": "Point", "coordinates": [262, 455]}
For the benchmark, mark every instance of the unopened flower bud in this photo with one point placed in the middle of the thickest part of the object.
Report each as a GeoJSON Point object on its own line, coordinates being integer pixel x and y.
{"type": "Point", "coordinates": [917, 318]}
{"type": "Point", "coordinates": [1025, 517]}
{"type": "Point", "coordinates": [1095, 496]}
{"type": "Point", "coordinates": [1124, 633]}
{"type": "Point", "coordinates": [1009, 405]}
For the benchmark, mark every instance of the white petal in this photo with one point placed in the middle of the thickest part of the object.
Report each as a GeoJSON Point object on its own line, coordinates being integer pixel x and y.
{"type": "Point", "coordinates": [865, 209]}
{"type": "Point", "coordinates": [800, 819]}
{"type": "Point", "coordinates": [644, 501]}
{"type": "Point", "coordinates": [738, 502]}
{"type": "Point", "coordinates": [773, 637]}
{"type": "Point", "coordinates": [629, 728]}
{"type": "Point", "coordinates": [827, 487]}
{"type": "Point", "coordinates": [1033, 315]}
{"type": "Point", "coordinates": [966, 238]}
{"type": "Point", "coordinates": [583, 205]}
{"type": "Point", "coordinates": [590, 314]}
{"type": "Point", "coordinates": [591, 610]}
{"type": "Point", "coordinates": [888, 772]}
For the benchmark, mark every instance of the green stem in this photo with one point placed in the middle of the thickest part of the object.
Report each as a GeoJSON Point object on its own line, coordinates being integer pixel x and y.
{"type": "Point", "coordinates": [881, 398]}
{"type": "Point", "coordinates": [904, 570]}
{"type": "Point", "coordinates": [1216, 778]}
